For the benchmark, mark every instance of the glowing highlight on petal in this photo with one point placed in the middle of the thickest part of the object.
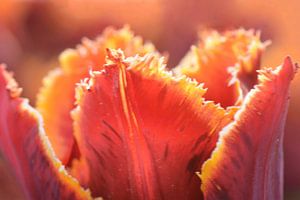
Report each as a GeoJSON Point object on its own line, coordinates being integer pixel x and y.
{"type": "Point", "coordinates": [57, 97]}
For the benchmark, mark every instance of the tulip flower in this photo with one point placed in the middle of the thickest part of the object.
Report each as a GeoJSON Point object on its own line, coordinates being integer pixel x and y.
{"type": "Point", "coordinates": [117, 124]}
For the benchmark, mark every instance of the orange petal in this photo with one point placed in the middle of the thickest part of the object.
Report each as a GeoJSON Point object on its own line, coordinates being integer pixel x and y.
{"type": "Point", "coordinates": [57, 97]}
{"type": "Point", "coordinates": [219, 62]}
{"type": "Point", "coordinates": [55, 103]}
{"type": "Point", "coordinates": [90, 55]}
{"type": "Point", "coordinates": [26, 148]}
{"type": "Point", "coordinates": [142, 132]}
{"type": "Point", "coordinates": [248, 160]}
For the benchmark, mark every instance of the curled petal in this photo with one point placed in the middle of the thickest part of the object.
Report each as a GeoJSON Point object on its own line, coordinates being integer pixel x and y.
{"type": "Point", "coordinates": [142, 132]}
{"type": "Point", "coordinates": [26, 148]}
{"type": "Point", "coordinates": [56, 98]}
{"type": "Point", "coordinates": [55, 103]}
{"type": "Point", "coordinates": [248, 160]}
{"type": "Point", "coordinates": [226, 64]}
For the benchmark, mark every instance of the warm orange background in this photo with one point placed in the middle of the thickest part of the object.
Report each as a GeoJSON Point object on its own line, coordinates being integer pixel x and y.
{"type": "Point", "coordinates": [32, 33]}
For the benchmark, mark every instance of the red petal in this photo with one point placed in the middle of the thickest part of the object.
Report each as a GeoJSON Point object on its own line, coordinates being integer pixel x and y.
{"type": "Point", "coordinates": [220, 60]}
{"type": "Point", "coordinates": [248, 161]}
{"type": "Point", "coordinates": [57, 97]}
{"type": "Point", "coordinates": [26, 148]}
{"type": "Point", "coordinates": [10, 188]}
{"type": "Point", "coordinates": [142, 132]}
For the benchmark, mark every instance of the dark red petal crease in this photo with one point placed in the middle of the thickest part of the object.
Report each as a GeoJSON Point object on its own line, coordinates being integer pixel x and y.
{"type": "Point", "coordinates": [143, 133]}
{"type": "Point", "coordinates": [248, 160]}
{"type": "Point", "coordinates": [26, 148]}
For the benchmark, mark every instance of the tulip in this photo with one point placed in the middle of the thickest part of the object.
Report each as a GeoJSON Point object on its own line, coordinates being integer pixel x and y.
{"type": "Point", "coordinates": [118, 124]}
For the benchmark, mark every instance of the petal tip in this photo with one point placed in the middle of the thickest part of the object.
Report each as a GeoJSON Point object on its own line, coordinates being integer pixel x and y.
{"type": "Point", "coordinates": [11, 85]}
{"type": "Point", "coordinates": [114, 55]}
{"type": "Point", "coordinates": [289, 68]}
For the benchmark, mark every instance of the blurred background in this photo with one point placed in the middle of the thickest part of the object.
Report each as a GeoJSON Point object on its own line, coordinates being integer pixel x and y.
{"type": "Point", "coordinates": [33, 33]}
